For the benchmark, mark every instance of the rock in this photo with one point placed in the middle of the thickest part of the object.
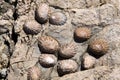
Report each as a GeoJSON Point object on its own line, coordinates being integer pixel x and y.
{"type": "Point", "coordinates": [91, 74]}
{"type": "Point", "coordinates": [107, 14]}
{"type": "Point", "coordinates": [21, 61]}
{"type": "Point", "coordinates": [59, 31]}
{"type": "Point", "coordinates": [111, 34]}
{"type": "Point", "coordinates": [103, 15]}
{"type": "Point", "coordinates": [83, 17]}
{"type": "Point", "coordinates": [79, 4]}
{"type": "Point", "coordinates": [19, 52]}
{"type": "Point", "coordinates": [114, 74]}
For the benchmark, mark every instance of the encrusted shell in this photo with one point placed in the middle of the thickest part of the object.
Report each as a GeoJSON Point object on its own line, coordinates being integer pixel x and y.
{"type": "Point", "coordinates": [47, 60]}
{"type": "Point", "coordinates": [82, 33]}
{"type": "Point", "coordinates": [31, 27]}
{"type": "Point", "coordinates": [34, 73]}
{"type": "Point", "coordinates": [57, 18]}
{"type": "Point", "coordinates": [42, 13]}
{"type": "Point", "coordinates": [68, 50]}
{"type": "Point", "coordinates": [66, 67]}
{"type": "Point", "coordinates": [98, 46]}
{"type": "Point", "coordinates": [48, 44]}
{"type": "Point", "coordinates": [88, 62]}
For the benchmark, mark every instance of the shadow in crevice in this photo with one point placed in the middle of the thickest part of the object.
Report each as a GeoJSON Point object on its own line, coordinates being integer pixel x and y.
{"type": "Point", "coordinates": [57, 7]}
{"type": "Point", "coordinates": [13, 3]}
{"type": "Point", "coordinates": [14, 36]}
{"type": "Point", "coordinates": [15, 15]}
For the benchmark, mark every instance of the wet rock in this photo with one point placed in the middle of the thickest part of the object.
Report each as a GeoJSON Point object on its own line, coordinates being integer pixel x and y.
{"type": "Point", "coordinates": [5, 7]}
{"type": "Point", "coordinates": [23, 58]}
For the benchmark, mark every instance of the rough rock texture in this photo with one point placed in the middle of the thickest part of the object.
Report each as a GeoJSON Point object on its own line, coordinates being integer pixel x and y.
{"type": "Point", "coordinates": [98, 73]}
{"type": "Point", "coordinates": [19, 51]}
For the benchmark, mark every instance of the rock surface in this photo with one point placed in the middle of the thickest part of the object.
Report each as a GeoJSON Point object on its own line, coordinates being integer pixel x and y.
{"type": "Point", "coordinates": [98, 73]}
{"type": "Point", "coordinates": [19, 51]}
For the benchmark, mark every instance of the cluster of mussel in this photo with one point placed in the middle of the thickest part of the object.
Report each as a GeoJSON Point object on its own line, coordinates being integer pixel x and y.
{"type": "Point", "coordinates": [52, 53]}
